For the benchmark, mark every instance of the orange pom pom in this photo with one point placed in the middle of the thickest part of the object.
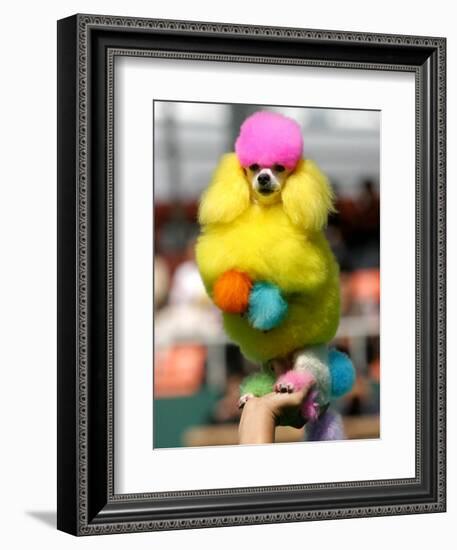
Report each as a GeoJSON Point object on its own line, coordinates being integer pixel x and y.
{"type": "Point", "coordinates": [231, 291]}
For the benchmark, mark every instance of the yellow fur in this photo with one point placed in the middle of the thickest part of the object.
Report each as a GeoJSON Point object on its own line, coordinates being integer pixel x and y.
{"type": "Point", "coordinates": [307, 196]}
{"type": "Point", "coordinates": [282, 244]}
{"type": "Point", "coordinates": [228, 194]}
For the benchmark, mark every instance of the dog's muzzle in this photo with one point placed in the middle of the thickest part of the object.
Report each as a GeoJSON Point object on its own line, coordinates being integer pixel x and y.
{"type": "Point", "coordinates": [264, 184]}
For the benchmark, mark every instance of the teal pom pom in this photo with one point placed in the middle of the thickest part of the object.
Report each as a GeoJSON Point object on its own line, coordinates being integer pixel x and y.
{"type": "Point", "coordinates": [267, 308]}
{"type": "Point", "coordinates": [342, 373]}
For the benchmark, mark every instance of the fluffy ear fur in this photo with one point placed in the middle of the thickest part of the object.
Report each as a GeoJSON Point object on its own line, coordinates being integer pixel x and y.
{"type": "Point", "coordinates": [307, 196]}
{"type": "Point", "coordinates": [227, 195]}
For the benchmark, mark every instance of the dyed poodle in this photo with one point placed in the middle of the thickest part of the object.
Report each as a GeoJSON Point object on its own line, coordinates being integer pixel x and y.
{"type": "Point", "coordinates": [267, 265]}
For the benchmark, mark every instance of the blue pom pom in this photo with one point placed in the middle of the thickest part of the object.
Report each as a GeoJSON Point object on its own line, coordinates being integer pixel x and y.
{"type": "Point", "coordinates": [267, 308]}
{"type": "Point", "coordinates": [342, 373]}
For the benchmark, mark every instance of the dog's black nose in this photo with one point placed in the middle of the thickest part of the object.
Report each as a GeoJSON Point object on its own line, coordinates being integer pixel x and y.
{"type": "Point", "coordinates": [263, 179]}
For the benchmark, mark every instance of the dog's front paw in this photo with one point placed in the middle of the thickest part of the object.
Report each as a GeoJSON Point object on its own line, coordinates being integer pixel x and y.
{"type": "Point", "coordinates": [292, 381]}
{"type": "Point", "coordinates": [244, 399]}
{"type": "Point", "coordinates": [267, 308]}
{"type": "Point", "coordinates": [284, 387]}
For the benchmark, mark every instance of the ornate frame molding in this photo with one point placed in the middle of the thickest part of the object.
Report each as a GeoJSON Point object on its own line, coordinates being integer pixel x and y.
{"type": "Point", "coordinates": [88, 508]}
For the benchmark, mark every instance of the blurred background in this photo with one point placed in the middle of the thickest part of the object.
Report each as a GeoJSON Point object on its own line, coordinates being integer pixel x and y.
{"type": "Point", "coordinates": [197, 371]}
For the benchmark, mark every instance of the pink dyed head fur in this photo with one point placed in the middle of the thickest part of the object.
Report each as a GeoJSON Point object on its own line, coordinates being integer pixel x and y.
{"type": "Point", "coordinates": [269, 138]}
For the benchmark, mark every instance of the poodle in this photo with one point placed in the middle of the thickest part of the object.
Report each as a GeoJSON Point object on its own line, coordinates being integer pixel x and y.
{"type": "Point", "coordinates": [266, 264]}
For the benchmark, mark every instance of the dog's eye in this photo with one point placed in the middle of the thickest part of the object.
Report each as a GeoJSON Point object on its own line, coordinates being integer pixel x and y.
{"type": "Point", "coordinates": [278, 168]}
{"type": "Point", "coordinates": [254, 167]}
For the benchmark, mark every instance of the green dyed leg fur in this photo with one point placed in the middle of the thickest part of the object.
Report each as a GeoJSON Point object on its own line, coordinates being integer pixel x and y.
{"type": "Point", "coordinates": [262, 383]}
{"type": "Point", "coordinates": [258, 384]}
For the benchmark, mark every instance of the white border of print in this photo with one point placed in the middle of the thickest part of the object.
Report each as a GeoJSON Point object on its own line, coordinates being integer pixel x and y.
{"type": "Point", "coordinates": [140, 469]}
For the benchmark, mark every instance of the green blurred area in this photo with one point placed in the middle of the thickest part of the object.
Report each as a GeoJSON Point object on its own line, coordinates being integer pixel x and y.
{"type": "Point", "coordinates": [173, 416]}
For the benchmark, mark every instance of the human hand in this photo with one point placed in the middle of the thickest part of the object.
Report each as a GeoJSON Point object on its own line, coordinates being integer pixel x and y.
{"type": "Point", "coordinates": [261, 415]}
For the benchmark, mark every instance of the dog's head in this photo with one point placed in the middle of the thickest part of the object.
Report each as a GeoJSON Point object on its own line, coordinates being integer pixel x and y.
{"type": "Point", "coordinates": [267, 168]}
{"type": "Point", "coordinates": [266, 182]}
{"type": "Point", "coordinates": [268, 147]}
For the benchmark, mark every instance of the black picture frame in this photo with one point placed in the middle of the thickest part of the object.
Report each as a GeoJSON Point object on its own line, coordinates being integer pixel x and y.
{"type": "Point", "coordinates": [87, 45]}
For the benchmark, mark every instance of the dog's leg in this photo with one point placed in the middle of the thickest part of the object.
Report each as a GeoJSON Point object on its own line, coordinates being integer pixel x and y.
{"type": "Point", "coordinates": [309, 368]}
{"type": "Point", "coordinates": [256, 385]}
{"type": "Point", "coordinates": [329, 427]}
{"type": "Point", "coordinates": [293, 381]}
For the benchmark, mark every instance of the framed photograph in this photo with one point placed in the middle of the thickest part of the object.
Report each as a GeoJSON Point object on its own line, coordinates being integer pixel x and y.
{"type": "Point", "coordinates": [251, 274]}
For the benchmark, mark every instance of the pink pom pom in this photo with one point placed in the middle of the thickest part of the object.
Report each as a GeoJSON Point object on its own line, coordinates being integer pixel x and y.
{"type": "Point", "coordinates": [269, 138]}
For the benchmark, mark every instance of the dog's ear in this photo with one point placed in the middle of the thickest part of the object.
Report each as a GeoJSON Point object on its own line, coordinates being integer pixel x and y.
{"type": "Point", "coordinates": [227, 195]}
{"type": "Point", "coordinates": [307, 196]}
